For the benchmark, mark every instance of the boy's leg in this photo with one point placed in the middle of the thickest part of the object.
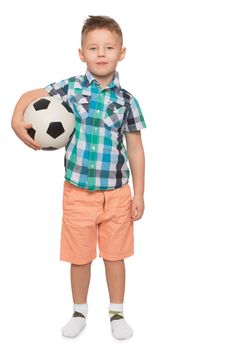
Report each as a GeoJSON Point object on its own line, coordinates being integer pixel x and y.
{"type": "Point", "coordinates": [115, 277]}
{"type": "Point", "coordinates": [116, 242]}
{"type": "Point", "coordinates": [80, 278]}
{"type": "Point", "coordinates": [78, 246]}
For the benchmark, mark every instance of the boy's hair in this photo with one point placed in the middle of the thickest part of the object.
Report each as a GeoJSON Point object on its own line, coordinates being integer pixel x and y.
{"type": "Point", "coordinates": [98, 22]}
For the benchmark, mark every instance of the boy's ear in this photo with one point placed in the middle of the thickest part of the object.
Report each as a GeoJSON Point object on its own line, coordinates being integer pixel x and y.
{"type": "Point", "coordinates": [81, 55]}
{"type": "Point", "coordinates": [122, 54]}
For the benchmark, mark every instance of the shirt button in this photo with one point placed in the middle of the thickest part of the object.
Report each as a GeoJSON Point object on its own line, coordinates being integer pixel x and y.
{"type": "Point", "coordinates": [92, 165]}
{"type": "Point", "coordinates": [93, 148]}
{"type": "Point", "coordinates": [98, 110]}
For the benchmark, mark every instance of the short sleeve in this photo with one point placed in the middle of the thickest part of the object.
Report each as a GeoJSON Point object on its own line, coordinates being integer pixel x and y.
{"type": "Point", "coordinates": [58, 89]}
{"type": "Point", "coordinates": [135, 120]}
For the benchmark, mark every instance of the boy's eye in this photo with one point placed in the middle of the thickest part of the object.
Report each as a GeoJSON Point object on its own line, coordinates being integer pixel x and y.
{"type": "Point", "coordinates": [110, 47]}
{"type": "Point", "coordinates": [92, 48]}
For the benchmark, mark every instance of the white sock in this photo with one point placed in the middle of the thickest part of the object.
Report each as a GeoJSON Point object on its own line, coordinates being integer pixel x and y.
{"type": "Point", "coordinates": [77, 322]}
{"type": "Point", "coordinates": [119, 327]}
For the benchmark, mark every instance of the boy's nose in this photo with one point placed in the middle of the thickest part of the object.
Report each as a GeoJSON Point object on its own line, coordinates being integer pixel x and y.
{"type": "Point", "coordinates": [101, 53]}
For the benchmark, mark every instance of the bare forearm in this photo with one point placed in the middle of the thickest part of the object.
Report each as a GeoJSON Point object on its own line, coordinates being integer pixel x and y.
{"type": "Point", "coordinates": [17, 123]}
{"type": "Point", "coordinates": [137, 166]}
{"type": "Point", "coordinates": [23, 102]}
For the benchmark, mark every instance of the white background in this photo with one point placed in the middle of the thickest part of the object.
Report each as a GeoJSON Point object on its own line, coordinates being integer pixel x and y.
{"type": "Point", "coordinates": [185, 283]}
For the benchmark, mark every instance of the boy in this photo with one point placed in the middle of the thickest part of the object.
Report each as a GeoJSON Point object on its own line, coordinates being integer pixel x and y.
{"type": "Point", "coordinates": [97, 195]}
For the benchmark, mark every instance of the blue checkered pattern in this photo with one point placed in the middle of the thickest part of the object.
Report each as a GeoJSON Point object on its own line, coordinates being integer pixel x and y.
{"type": "Point", "coordinates": [96, 157]}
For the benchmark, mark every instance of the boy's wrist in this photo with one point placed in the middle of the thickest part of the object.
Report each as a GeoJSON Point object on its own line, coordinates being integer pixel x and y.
{"type": "Point", "coordinates": [138, 194]}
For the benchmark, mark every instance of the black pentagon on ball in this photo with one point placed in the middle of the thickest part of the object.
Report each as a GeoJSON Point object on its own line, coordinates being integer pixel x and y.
{"type": "Point", "coordinates": [49, 148]}
{"type": "Point", "coordinates": [31, 132]}
{"type": "Point", "coordinates": [43, 103]}
{"type": "Point", "coordinates": [55, 129]}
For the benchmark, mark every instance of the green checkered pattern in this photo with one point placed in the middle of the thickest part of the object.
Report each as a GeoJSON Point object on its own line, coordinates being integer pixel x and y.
{"type": "Point", "coordinates": [96, 157]}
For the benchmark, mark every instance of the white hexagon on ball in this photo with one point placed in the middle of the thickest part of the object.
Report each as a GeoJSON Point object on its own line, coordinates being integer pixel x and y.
{"type": "Point", "coordinates": [53, 122]}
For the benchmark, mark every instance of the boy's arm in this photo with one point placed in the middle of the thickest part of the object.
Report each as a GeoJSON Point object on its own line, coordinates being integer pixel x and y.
{"type": "Point", "coordinates": [17, 123]}
{"type": "Point", "coordinates": [136, 159]}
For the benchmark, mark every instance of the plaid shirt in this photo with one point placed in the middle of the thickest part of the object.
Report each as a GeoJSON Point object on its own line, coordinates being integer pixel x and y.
{"type": "Point", "coordinates": [96, 157]}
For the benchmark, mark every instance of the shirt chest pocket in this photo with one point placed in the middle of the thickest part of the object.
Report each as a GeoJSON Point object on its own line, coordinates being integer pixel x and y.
{"type": "Point", "coordinates": [80, 105]}
{"type": "Point", "coordinates": [114, 115]}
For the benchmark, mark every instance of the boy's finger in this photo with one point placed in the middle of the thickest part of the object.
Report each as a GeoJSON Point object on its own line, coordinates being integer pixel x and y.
{"type": "Point", "coordinates": [36, 145]}
{"type": "Point", "coordinates": [134, 213]}
{"type": "Point", "coordinates": [32, 143]}
{"type": "Point", "coordinates": [30, 139]}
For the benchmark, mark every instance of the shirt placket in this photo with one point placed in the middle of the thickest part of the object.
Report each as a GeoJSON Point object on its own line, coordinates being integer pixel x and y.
{"type": "Point", "coordinates": [94, 141]}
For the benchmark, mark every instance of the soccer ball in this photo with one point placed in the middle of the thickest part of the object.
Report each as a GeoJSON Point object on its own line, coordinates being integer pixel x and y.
{"type": "Point", "coordinates": [53, 122]}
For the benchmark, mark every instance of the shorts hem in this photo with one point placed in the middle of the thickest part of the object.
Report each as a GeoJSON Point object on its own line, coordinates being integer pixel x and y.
{"type": "Point", "coordinates": [77, 261]}
{"type": "Point", "coordinates": [116, 257]}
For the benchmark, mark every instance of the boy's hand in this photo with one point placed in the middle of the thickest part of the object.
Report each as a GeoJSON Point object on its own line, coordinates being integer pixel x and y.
{"type": "Point", "coordinates": [20, 128]}
{"type": "Point", "coordinates": [137, 207]}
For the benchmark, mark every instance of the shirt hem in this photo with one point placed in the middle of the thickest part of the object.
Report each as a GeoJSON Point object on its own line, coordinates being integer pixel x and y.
{"type": "Point", "coordinates": [96, 188]}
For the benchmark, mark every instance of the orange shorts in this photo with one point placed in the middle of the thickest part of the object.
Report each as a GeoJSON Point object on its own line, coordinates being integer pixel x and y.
{"type": "Point", "coordinates": [96, 216]}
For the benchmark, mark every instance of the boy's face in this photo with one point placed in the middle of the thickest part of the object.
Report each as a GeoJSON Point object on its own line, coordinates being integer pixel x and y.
{"type": "Point", "coordinates": [101, 51]}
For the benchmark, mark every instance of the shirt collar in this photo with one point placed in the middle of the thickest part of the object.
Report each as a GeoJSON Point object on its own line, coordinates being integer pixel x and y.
{"type": "Point", "coordinates": [114, 83]}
